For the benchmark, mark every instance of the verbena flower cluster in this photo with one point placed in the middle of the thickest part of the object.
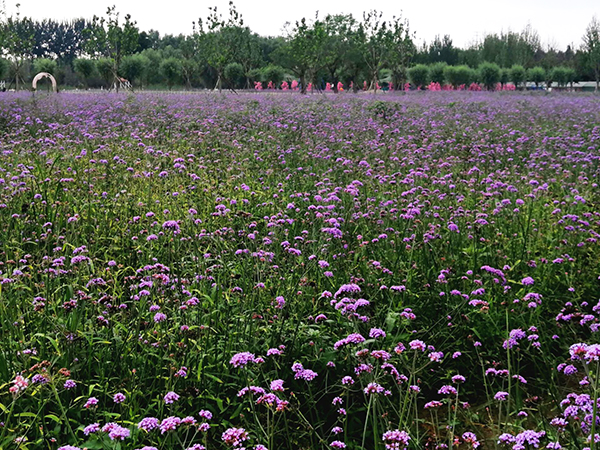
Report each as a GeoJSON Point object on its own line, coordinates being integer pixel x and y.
{"type": "Point", "coordinates": [266, 271]}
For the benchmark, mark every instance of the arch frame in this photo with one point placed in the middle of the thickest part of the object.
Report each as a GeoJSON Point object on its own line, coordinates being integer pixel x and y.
{"type": "Point", "coordinates": [41, 76]}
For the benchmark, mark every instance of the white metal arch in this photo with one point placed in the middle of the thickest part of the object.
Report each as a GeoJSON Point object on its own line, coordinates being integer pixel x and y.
{"type": "Point", "coordinates": [41, 75]}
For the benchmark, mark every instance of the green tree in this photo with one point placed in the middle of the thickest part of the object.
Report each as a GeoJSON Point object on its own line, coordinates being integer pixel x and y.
{"type": "Point", "coordinates": [442, 50]}
{"type": "Point", "coordinates": [300, 52]}
{"type": "Point", "coordinates": [84, 68]}
{"type": "Point", "coordinates": [152, 71]}
{"type": "Point", "coordinates": [221, 39]}
{"type": "Point", "coordinates": [4, 64]}
{"type": "Point", "coordinates": [234, 74]}
{"type": "Point", "coordinates": [559, 74]}
{"type": "Point", "coordinates": [591, 48]}
{"type": "Point", "coordinates": [273, 73]}
{"type": "Point", "coordinates": [436, 72]}
{"type": "Point", "coordinates": [337, 45]}
{"type": "Point", "coordinates": [517, 74]}
{"type": "Point", "coordinates": [375, 38]}
{"type": "Point", "coordinates": [105, 67]}
{"type": "Point", "coordinates": [536, 75]}
{"type": "Point", "coordinates": [18, 40]}
{"type": "Point", "coordinates": [112, 39]}
{"type": "Point", "coordinates": [504, 76]}
{"type": "Point", "coordinates": [458, 75]}
{"type": "Point", "coordinates": [489, 74]}
{"type": "Point", "coordinates": [133, 67]}
{"type": "Point", "coordinates": [401, 50]}
{"type": "Point", "coordinates": [170, 69]}
{"type": "Point", "coordinates": [45, 65]}
{"type": "Point", "coordinates": [419, 75]}
{"type": "Point", "coordinates": [571, 75]}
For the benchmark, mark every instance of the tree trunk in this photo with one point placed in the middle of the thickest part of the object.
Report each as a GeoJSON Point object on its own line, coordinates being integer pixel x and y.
{"type": "Point", "coordinates": [303, 84]}
{"type": "Point", "coordinates": [218, 85]}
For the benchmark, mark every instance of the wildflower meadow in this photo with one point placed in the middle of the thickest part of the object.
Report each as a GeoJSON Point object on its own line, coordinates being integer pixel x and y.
{"type": "Point", "coordinates": [417, 270]}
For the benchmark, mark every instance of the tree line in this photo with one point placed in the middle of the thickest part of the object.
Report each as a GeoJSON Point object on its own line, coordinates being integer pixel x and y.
{"type": "Point", "coordinates": [335, 50]}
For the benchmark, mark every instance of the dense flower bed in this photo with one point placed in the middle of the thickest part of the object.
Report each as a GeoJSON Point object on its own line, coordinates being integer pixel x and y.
{"type": "Point", "coordinates": [285, 272]}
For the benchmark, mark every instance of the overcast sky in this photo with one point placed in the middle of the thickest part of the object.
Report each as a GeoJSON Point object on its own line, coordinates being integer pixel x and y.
{"type": "Point", "coordinates": [558, 22]}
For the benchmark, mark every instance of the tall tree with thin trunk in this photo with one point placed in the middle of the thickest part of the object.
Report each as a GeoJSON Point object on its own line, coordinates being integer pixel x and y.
{"type": "Point", "coordinates": [591, 47]}
{"type": "Point", "coordinates": [109, 37]}
{"type": "Point", "coordinates": [17, 35]}
{"type": "Point", "coordinates": [220, 40]}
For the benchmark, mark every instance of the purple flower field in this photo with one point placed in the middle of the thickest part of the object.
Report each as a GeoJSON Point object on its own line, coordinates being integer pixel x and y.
{"type": "Point", "coordinates": [258, 271]}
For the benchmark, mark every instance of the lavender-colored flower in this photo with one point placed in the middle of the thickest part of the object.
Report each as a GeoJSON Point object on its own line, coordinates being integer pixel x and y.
{"type": "Point", "coordinates": [234, 436]}
{"type": "Point", "coordinates": [171, 397]}
{"type": "Point", "coordinates": [92, 401]}
{"type": "Point", "coordinates": [396, 439]}
{"type": "Point", "coordinates": [417, 345]}
{"type": "Point", "coordinates": [501, 396]}
{"type": "Point", "coordinates": [92, 428]}
{"type": "Point", "coordinates": [119, 397]}
{"type": "Point", "coordinates": [148, 424]}
{"type": "Point", "coordinates": [205, 414]}
{"type": "Point", "coordinates": [376, 333]}
{"type": "Point", "coordinates": [242, 359]}
{"type": "Point", "coordinates": [169, 424]}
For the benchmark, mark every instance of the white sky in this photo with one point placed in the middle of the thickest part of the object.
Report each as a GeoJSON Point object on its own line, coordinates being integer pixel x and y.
{"type": "Point", "coordinates": [558, 22]}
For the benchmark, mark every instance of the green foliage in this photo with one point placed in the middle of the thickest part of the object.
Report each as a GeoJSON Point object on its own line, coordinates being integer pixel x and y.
{"type": "Point", "coordinates": [504, 76]}
{"type": "Point", "coordinates": [84, 67]}
{"type": "Point", "coordinates": [4, 64]}
{"type": "Point", "coordinates": [234, 74]}
{"type": "Point", "coordinates": [222, 40]}
{"type": "Point", "coordinates": [302, 50]}
{"type": "Point", "coordinates": [105, 67]}
{"type": "Point", "coordinates": [419, 75]}
{"type": "Point", "coordinates": [133, 67]}
{"type": "Point", "coordinates": [17, 35]}
{"type": "Point", "coordinates": [170, 69]}
{"type": "Point", "coordinates": [510, 48]}
{"type": "Point", "coordinates": [517, 75]}
{"type": "Point", "coordinates": [273, 73]}
{"type": "Point", "coordinates": [591, 47]}
{"type": "Point", "coordinates": [537, 75]}
{"type": "Point", "coordinates": [489, 75]}
{"type": "Point", "coordinates": [436, 72]}
{"type": "Point", "coordinates": [45, 65]}
{"type": "Point", "coordinates": [110, 38]}
{"type": "Point", "coordinates": [458, 75]}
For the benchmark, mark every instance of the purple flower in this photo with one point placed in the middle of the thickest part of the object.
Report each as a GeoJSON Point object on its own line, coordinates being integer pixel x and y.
{"type": "Point", "coordinates": [501, 396]}
{"type": "Point", "coordinates": [160, 317]}
{"type": "Point", "coordinates": [92, 428]}
{"type": "Point", "coordinates": [118, 433]}
{"type": "Point", "coordinates": [242, 359]}
{"type": "Point", "coordinates": [205, 414]}
{"type": "Point", "coordinates": [527, 281]}
{"type": "Point", "coordinates": [447, 390]}
{"type": "Point", "coordinates": [92, 401]}
{"type": "Point", "coordinates": [169, 424]}
{"type": "Point", "coordinates": [458, 379]}
{"type": "Point", "coordinates": [396, 439]}
{"type": "Point", "coordinates": [119, 397]}
{"type": "Point", "coordinates": [376, 333]}
{"type": "Point", "coordinates": [148, 424]}
{"type": "Point", "coordinates": [417, 345]}
{"type": "Point", "coordinates": [234, 436]}
{"type": "Point", "coordinates": [171, 397]}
